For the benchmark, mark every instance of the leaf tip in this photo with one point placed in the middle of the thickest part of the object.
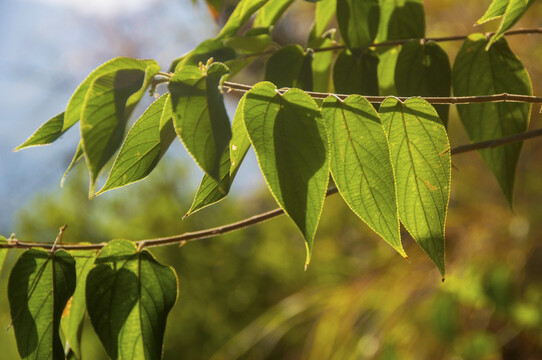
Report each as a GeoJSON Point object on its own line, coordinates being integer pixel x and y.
{"type": "Point", "coordinates": [407, 259]}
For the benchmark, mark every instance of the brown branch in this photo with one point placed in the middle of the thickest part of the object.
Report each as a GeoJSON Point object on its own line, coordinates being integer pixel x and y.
{"type": "Point", "coordinates": [436, 39]}
{"type": "Point", "coordinates": [231, 86]}
{"type": "Point", "coordinates": [208, 233]}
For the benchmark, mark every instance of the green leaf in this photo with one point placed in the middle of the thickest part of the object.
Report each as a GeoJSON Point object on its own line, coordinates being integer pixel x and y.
{"type": "Point", "coordinates": [514, 11]}
{"type": "Point", "coordinates": [271, 12]}
{"type": "Point", "coordinates": [321, 62]}
{"type": "Point", "coordinates": [401, 19]}
{"type": "Point", "coordinates": [248, 45]}
{"type": "Point", "coordinates": [420, 155]}
{"type": "Point", "coordinates": [498, 70]}
{"type": "Point", "coordinates": [129, 295]}
{"type": "Point", "coordinates": [289, 137]}
{"type": "Point", "coordinates": [495, 10]}
{"type": "Point", "coordinates": [387, 61]}
{"type": "Point", "coordinates": [46, 134]}
{"type": "Point", "coordinates": [324, 12]}
{"type": "Point", "coordinates": [424, 70]}
{"type": "Point", "coordinates": [74, 313]}
{"type": "Point", "coordinates": [211, 48]}
{"type": "Point", "coordinates": [76, 103]}
{"type": "Point", "coordinates": [76, 158]}
{"type": "Point", "coordinates": [144, 146]}
{"type": "Point", "coordinates": [209, 192]}
{"type": "Point", "coordinates": [3, 253]}
{"type": "Point", "coordinates": [39, 286]}
{"type": "Point", "coordinates": [290, 67]}
{"type": "Point", "coordinates": [361, 165]}
{"type": "Point", "coordinates": [108, 103]}
{"type": "Point", "coordinates": [242, 13]}
{"type": "Point", "coordinates": [199, 114]}
{"type": "Point", "coordinates": [356, 75]}
{"type": "Point", "coordinates": [358, 22]}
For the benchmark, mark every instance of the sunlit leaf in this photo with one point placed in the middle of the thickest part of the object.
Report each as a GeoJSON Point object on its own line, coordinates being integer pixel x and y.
{"type": "Point", "coordinates": [322, 62]}
{"type": "Point", "coordinates": [424, 70]}
{"type": "Point", "coordinates": [129, 295]}
{"type": "Point", "coordinates": [420, 155]}
{"type": "Point", "coordinates": [199, 114]}
{"type": "Point", "coordinates": [387, 60]}
{"type": "Point", "coordinates": [211, 48]}
{"type": "Point", "coordinates": [39, 286]}
{"type": "Point", "coordinates": [242, 13]}
{"type": "Point", "coordinates": [248, 44]}
{"type": "Point", "coordinates": [145, 144]}
{"type": "Point", "coordinates": [480, 72]}
{"type": "Point", "coordinates": [401, 19]}
{"type": "Point", "coordinates": [46, 134]}
{"type": "Point", "coordinates": [75, 105]}
{"type": "Point", "coordinates": [271, 12]}
{"type": "Point", "coordinates": [75, 159]}
{"type": "Point", "coordinates": [290, 67]}
{"type": "Point", "coordinates": [496, 9]}
{"type": "Point", "coordinates": [514, 11]}
{"type": "Point", "coordinates": [358, 22]}
{"type": "Point", "coordinates": [356, 75]}
{"type": "Point", "coordinates": [324, 12]}
{"type": "Point", "coordinates": [510, 11]}
{"type": "Point", "coordinates": [209, 192]}
{"type": "Point", "coordinates": [289, 137]}
{"type": "Point", "coordinates": [74, 313]}
{"type": "Point", "coordinates": [361, 165]}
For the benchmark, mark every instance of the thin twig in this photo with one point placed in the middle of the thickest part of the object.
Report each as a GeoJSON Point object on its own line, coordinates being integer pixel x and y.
{"type": "Point", "coordinates": [436, 39]}
{"type": "Point", "coordinates": [504, 97]}
{"type": "Point", "coordinates": [208, 233]}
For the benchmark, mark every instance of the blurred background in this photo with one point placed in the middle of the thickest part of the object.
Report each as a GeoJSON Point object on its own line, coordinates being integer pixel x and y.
{"type": "Point", "coordinates": [246, 295]}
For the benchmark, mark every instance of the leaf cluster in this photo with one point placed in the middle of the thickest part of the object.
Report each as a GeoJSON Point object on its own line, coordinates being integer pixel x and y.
{"type": "Point", "coordinates": [391, 162]}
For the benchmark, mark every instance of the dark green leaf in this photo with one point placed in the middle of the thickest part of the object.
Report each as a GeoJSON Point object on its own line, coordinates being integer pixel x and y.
{"type": "Point", "coordinates": [46, 134]}
{"type": "Point", "coordinates": [271, 13]}
{"type": "Point", "coordinates": [199, 114]}
{"type": "Point", "coordinates": [129, 295]}
{"type": "Point", "coordinates": [209, 192]}
{"type": "Point", "coordinates": [242, 13]}
{"type": "Point", "coordinates": [74, 313]}
{"type": "Point", "coordinates": [420, 155]}
{"type": "Point", "coordinates": [289, 137]}
{"type": "Point", "coordinates": [324, 12]}
{"type": "Point", "coordinates": [145, 144]}
{"type": "Point", "coordinates": [356, 75]}
{"type": "Point", "coordinates": [498, 70]}
{"type": "Point", "coordinates": [358, 22]}
{"type": "Point", "coordinates": [290, 67]}
{"type": "Point", "coordinates": [424, 70]}
{"type": "Point", "coordinates": [361, 165]}
{"type": "Point", "coordinates": [401, 19]}
{"type": "Point", "coordinates": [39, 286]}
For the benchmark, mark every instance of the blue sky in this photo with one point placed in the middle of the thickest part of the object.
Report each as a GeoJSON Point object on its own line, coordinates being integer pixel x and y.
{"type": "Point", "coordinates": [47, 47]}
